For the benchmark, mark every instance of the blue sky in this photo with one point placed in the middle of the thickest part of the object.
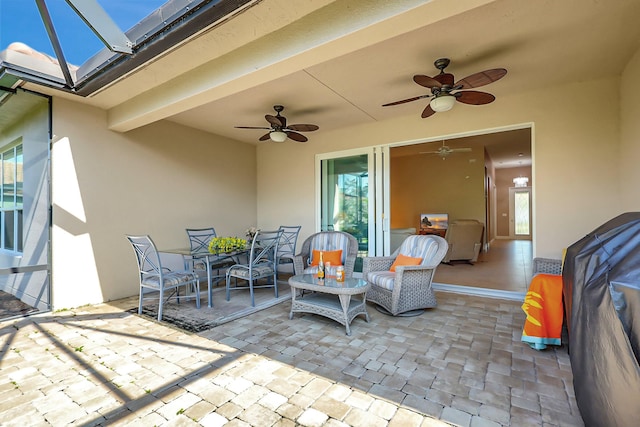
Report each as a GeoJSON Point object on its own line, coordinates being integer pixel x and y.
{"type": "Point", "coordinates": [20, 21]}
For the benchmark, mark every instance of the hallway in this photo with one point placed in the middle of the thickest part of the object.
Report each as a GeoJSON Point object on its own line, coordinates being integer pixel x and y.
{"type": "Point", "coordinates": [506, 267]}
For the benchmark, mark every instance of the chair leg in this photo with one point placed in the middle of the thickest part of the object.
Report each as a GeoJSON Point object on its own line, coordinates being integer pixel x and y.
{"type": "Point", "coordinates": [275, 283]}
{"type": "Point", "coordinates": [253, 303]}
{"type": "Point", "coordinates": [160, 304]}
{"type": "Point", "coordinates": [196, 290]}
{"type": "Point", "coordinates": [140, 302]}
{"type": "Point", "coordinates": [228, 284]}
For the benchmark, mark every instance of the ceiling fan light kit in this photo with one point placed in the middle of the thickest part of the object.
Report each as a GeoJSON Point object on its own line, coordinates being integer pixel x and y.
{"type": "Point", "coordinates": [445, 91]}
{"type": "Point", "coordinates": [442, 103]}
{"type": "Point", "coordinates": [278, 136]}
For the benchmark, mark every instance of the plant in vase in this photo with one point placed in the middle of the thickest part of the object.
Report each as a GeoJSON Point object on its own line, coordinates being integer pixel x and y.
{"type": "Point", "coordinates": [219, 245]}
{"type": "Point", "coordinates": [251, 232]}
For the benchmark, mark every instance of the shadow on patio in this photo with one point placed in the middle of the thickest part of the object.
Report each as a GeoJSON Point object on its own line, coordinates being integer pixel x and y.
{"type": "Point", "coordinates": [462, 363]}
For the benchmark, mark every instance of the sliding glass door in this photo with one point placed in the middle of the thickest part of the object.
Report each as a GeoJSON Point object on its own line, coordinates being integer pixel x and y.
{"type": "Point", "coordinates": [347, 196]}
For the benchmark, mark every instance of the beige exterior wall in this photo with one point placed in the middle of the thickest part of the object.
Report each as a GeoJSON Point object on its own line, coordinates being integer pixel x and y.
{"type": "Point", "coordinates": [156, 180]}
{"type": "Point", "coordinates": [575, 153]}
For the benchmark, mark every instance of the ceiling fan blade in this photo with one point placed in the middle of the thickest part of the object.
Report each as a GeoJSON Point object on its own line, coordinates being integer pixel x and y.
{"type": "Point", "coordinates": [251, 127]}
{"type": "Point", "coordinates": [426, 81]}
{"type": "Point", "coordinates": [264, 137]}
{"type": "Point", "coordinates": [482, 78]}
{"type": "Point", "coordinates": [474, 97]}
{"type": "Point", "coordinates": [276, 121]}
{"type": "Point", "coordinates": [460, 150]}
{"type": "Point", "coordinates": [429, 152]}
{"type": "Point", "coordinates": [428, 111]}
{"type": "Point", "coordinates": [297, 136]}
{"type": "Point", "coordinates": [415, 98]}
{"type": "Point", "coordinates": [444, 78]}
{"type": "Point", "coordinates": [303, 127]}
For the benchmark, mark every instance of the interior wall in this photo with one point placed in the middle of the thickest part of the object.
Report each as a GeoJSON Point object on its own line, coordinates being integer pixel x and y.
{"type": "Point", "coordinates": [156, 180]}
{"type": "Point", "coordinates": [570, 141]}
{"type": "Point", "coordinates": [630, 135]}
{"type": "Point", "coordinates": [421, 184]}
{"type": "Point", "coordinates": [504, 181]}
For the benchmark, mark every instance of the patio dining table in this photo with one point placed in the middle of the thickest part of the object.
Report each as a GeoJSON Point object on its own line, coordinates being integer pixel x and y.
{"type": "Point", "coordinates": [209, 258]}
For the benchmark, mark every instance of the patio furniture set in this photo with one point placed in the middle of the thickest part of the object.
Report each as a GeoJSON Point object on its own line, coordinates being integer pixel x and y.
{"type": "Point", "coordinates": [399, 284]}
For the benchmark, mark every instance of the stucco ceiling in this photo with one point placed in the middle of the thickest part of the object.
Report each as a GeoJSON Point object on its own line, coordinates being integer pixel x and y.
{"type": "Point", "coordinates": [334, 63]}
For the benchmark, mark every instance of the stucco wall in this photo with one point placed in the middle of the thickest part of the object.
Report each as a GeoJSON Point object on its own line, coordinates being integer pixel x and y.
{"type": "Point", "coordinates": [630, 135]}
{"type": "Point", "coordinates": [575, 155]}
{"type": "Point", "coordinates": [156, 180]}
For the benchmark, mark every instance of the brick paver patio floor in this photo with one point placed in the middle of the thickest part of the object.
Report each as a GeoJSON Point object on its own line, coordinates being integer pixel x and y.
{"type": "Point", "coordinates": [460, 364]}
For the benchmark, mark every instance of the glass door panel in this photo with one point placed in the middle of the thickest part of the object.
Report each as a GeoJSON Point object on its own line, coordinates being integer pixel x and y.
{"type": "Point", "coordinates": [520, 212]}
{"type": "Point", "coordinates": [346, 204]}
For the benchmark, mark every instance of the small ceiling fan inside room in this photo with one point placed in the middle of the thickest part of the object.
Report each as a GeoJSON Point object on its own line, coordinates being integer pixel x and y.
{"type": "Point", "coordinates": [279, 130]}
{"type": "Point", "coordinates": [444, 92]}
{"type": "Point", "coordinates": [445, 151]}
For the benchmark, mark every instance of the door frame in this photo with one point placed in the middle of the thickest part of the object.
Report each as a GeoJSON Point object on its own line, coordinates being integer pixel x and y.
{"type": "Point", "coordinates": [321, 193]}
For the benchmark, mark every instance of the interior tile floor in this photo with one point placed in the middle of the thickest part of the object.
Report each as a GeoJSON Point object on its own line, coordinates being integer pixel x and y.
{"type": "Point", "coordinates": [460, 364]}
{"type": "Point", "coordinates": [506, 266]}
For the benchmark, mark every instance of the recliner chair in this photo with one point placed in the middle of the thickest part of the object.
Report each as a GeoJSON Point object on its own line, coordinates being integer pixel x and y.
{"type": "Point", "coordinates": [464, 237]}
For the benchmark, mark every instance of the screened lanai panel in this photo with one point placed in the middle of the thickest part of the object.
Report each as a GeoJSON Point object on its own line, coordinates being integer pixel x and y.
{"type": "Point", "coordinates": [24, 203]}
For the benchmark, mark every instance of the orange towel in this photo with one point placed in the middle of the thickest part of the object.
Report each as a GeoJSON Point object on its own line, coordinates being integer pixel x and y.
{"type": "Point", "coordinates": [543, 306]}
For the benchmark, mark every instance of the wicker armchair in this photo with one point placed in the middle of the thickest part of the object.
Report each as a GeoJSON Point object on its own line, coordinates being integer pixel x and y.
{"type": "Point", "coordinates": [327, 241]}
{"type": "Point", "coordinates": [407, 291]}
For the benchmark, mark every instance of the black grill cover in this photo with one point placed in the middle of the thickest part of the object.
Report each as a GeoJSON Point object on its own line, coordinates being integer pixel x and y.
{"type": "Point", "coordinates": [601, 288]}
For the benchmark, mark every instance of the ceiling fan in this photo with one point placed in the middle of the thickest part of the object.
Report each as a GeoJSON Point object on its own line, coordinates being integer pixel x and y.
{"type": "Point", "coordinates": [444, 92]}
{"type": "Point", "coordinates": [279, 130]}
{"type": "Point", "coordinates": [445, 151]}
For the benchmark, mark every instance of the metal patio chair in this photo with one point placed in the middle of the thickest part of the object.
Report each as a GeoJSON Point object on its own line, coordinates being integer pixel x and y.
{"type": "Point", "coordinates": [262, 265]}
{"type": "Point", "coordinates": [287, 245]}
{"type": "Point", "coordinates": [156, 278]}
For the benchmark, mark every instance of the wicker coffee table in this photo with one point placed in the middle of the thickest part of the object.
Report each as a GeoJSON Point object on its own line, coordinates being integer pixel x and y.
{"type": "Point", "coordinates": [329, 298]}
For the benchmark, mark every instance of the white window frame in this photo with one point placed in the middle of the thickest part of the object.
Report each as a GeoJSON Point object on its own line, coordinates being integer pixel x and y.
{"type": "Point", "coordinates": [17, 176]}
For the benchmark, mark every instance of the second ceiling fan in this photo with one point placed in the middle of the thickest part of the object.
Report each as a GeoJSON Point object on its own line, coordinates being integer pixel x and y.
{"type": "Point", "coordinates": [444, 151]}
{"type": "Point", "coordinates": [279, 130]}
{"type": "Point", "coordinates": [445, 91]}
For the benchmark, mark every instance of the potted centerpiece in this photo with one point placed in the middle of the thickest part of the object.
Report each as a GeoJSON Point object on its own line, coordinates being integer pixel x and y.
{"type": "Point", "coordinates": [223, 245]}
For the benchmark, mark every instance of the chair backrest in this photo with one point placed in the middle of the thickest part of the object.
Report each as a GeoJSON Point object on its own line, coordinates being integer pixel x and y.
{"type": "Point", "coordinates": [288, 240]}
{"type": "Point", "coordinates": [146, 255]}
{"type": "Point", "coordinates": [199, 238]}
{"type": "Point", "coordinates": [463, 235]}
{"type": "Point", "coordinates": [264, 247]}
{"type": "Point", "coordinates": [430, 248]}
{"type": "Point", "coordinates": [331, 241]}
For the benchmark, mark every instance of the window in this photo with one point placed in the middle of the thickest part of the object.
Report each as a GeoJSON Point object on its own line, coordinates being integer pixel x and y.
{"type": "Point", "coordinates": [11, 199]}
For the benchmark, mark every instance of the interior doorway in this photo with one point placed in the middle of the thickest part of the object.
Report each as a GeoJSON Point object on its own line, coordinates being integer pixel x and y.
{"type": "Point", "coordinates": [472, 182]}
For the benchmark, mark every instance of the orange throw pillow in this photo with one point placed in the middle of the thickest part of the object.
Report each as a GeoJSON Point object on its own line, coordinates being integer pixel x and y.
{"type": "Point", "coordinates": [405, 260]}
{"type": "Point", "coordinates": [333, 257]}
